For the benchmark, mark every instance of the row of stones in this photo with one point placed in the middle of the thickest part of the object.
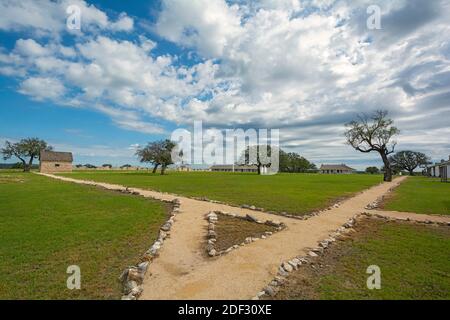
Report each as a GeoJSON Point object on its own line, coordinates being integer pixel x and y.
{"type": "Point", "coordinates": [133, 277]}
{"type": "Point", "coordinates": [380, 216]}
{"type": "Point", "coordinates": [212, 236]}
{"type": "Point", "coordinates": [379, 200]}
{"type": "Point", "coordinates": [289, 266]}
{"type": "Point", "coordinates": [283, 213]}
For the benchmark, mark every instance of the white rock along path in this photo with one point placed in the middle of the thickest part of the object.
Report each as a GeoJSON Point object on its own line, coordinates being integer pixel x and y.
{"type": "Point", "coordinates": [183, 271]}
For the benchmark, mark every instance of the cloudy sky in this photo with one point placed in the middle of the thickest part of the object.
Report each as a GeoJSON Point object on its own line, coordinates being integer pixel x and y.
{"type": "Point", "coordinates": [137, 70]}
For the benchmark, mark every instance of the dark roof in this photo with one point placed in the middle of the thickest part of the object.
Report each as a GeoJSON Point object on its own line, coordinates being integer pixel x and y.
{"type": "Point", "coordinates": [56, 156]}
{"type": "Point", "coordinates": [335, 167]}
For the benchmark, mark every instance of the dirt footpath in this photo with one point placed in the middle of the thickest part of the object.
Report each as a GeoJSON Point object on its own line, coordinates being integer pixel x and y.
{"type": "Point", "coordinates": [182, 271]}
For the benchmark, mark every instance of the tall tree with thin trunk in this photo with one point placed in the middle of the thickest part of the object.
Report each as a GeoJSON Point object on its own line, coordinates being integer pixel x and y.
{"type": "Point", "coordinates": [26, 150]}
{"type": "Point", "coordinates": [374, 132]}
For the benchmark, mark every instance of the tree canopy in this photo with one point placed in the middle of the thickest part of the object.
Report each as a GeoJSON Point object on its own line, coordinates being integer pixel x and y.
{"type": "Point", "coordinates": [372, 170]}
{"type": "Point", "coordinates": [408, 160]}
{"type": "Point", "coordinates": [293, 162]}
{"type": "Point", "coordinates": [158, 153]}
{"type": "Point", "coordinates": [26, 150]}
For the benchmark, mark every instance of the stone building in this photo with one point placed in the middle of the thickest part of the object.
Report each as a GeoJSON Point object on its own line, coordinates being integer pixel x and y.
{"type": "Point", "coordinates": [51, 161]}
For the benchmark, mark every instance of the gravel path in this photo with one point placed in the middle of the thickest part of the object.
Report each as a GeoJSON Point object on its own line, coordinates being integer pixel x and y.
{"type": "Point", "coordinates": [182, 271]}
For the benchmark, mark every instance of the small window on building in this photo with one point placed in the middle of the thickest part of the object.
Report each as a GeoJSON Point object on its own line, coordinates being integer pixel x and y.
{"type": "Point", "coordinates": [57, 165]}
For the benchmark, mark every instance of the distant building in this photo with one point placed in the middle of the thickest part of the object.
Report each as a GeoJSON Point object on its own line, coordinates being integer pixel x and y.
{"type": "Point", "coordinates": [440, 170]}
{"type": "Point", "coordinates": [336, 169]}
{"type": "Point", "coordinates": [184, 167]}
{"type": "Point", "coordinates": [51, 161]}
{"type": "Point", "coordinates": [433, 171]}
{"type": "Point", "coordinates": [233, 168]}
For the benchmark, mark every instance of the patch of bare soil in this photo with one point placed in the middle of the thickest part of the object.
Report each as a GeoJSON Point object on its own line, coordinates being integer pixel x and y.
{"type": "Point", "coordinates": [233, 231]}
{"type": "Point", "coordinates": [10, 179]}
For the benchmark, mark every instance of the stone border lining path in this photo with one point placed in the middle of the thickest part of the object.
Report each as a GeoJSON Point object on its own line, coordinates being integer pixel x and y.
{"type": "Point", "coordinates": [183, 272]}
{"type": "Point", "coordinates": [133, 277]}
{"type": "Point", "coordinates": [300, 216]}
{"type": "Point", "coordinates": [289, 266]}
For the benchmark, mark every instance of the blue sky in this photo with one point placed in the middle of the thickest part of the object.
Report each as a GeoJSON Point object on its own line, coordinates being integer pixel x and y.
{"type": "Point", "coordinates": [137, 70]}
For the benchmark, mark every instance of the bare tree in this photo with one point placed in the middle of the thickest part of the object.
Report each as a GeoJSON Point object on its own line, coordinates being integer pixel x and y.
{"type": "Point", "coordinates": [259, 156]}
{"type": "Point", "coordinates": [409, 160]}
{"type": "Point", "coordinates": [26, 148]}
{"type": "Point", "coordinates": [373, 133]}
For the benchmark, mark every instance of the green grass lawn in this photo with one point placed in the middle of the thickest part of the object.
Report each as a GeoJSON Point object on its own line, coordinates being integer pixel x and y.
{"type": "Point", "coordinates": [47, 225]}
{"type": "Point", "coordinates": [293, 193]}
{"type": "Point", "coordinates": [413, 259]}
{"type": "Point", "coordinates": [421, 195]}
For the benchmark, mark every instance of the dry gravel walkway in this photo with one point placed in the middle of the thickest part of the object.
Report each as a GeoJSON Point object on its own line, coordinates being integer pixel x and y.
{"type": "Point", "coordinates": [182, 271]}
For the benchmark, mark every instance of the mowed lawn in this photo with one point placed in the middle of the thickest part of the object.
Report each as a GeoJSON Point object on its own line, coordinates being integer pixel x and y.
{"type": "Point", "coordinates": [413, 260]}
{"type": "Point", "coordinates": [293, 193]}
{"type": "Point", "coordinates": [421, 195]}
{"type": "Point", "coordinates": [47, 225]}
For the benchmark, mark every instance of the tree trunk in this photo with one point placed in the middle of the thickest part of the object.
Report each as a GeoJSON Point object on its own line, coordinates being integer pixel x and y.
{"type": "Point", "coordinates": [30, 164]}
{"type": "Point", "coordinates": [411, 172]}
{"type": "Point", "coordinates": [387, 167]}
{"type": "Point", "coordinates": [259, 168]}
{"type": "Point", "coordinates": [155, 167]}
{"type": "Point", "coordinates": [163, 169]}
{"type": "Point", "coordinates": [26, 167]}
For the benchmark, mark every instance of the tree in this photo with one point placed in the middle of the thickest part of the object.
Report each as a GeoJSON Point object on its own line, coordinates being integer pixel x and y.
{"type": "Point", "coordinates": [293, 162]}
{"type": "Point", "coordinates": [373, 133]}
{"type": "Point", "coordinates": [372, 170]}
{"type": "Point", "coordinates": [409, 160]}
{"type": "Point", "coordinates": [107, 165]}
{"type": "Point", "coordinates": [259, 156]}
{"type": "Point", "coordinates": [159, 153]}
{"type": "Point", "coordinates": [26, 150]}
{"type": "Point", "coordinates": [150, 154]}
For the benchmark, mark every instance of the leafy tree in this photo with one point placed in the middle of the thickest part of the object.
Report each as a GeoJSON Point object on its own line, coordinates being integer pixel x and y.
{"type": "Point", "coordinates": [159, 153]}
{"type": "Point", "coordinates": [90, 166]}
{"type": "Point", "coordinates": [373, 133]}
{"type": "Point", "coordinates": [372, 170]}
{"type": "Point", "coordinates": [293, 162]}
{"type": "Point", "coordinates": [107, 165]}
{"type": "Point", "coordinates": [26, 150]}
{"type": "Point", "coordinates": [125, 166]}
{"type": "Point", "coordinates": [409, 160]}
